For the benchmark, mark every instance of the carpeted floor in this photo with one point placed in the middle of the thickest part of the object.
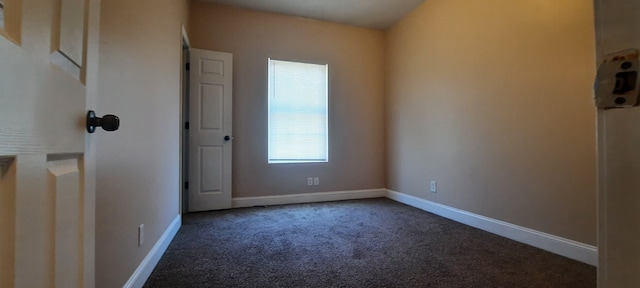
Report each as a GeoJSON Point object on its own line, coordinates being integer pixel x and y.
{"type": "Point", "coordinates": [359, 243]}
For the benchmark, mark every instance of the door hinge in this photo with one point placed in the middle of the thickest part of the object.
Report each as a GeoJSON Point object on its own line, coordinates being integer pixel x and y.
{"type": "Point", "coordinates": [186, 125]}
{"type": "Point", "coordinates": [186, 184]}
{"type": "Point", "coordinates": [187, 66]}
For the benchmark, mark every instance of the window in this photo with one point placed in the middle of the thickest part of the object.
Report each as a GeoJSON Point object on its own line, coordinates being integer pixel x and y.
{"type": "Point", "coordinates": [298, 112]}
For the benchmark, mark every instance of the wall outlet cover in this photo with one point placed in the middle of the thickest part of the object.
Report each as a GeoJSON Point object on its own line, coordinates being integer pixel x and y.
{"type": "Point", "coordinates": [140, 235]}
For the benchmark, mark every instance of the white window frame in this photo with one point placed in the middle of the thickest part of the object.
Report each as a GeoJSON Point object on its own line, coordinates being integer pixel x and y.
{"type": "Point", "coordinates": [326, 124]}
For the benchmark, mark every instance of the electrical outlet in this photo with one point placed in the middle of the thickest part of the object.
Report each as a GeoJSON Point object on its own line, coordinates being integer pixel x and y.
{"type": "Point", "coordinates": [316, 181]}
{"type": "Point", "coordinates": [140, 235]}
{"type": "Point", "coordinates": [309, 181]}
{"type": "Point", "coordinates": [434, 186]}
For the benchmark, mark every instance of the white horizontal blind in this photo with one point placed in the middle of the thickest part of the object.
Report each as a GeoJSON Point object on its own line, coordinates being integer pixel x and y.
{"type": "Point", "coordinates": [298, 112]}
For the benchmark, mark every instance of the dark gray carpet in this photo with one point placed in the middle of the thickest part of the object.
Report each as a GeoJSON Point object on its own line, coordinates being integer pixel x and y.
{"type": "Point", "coordinates": [360, 243]}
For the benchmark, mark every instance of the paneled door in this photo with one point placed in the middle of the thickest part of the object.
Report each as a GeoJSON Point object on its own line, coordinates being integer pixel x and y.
{"type": "Point", "coordinates": [210, 131]}
{"type": "Point", "coordinates": [47, 54]}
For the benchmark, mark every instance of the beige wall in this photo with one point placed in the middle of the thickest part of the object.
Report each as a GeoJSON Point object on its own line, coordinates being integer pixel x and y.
{"type": "Point", "coordinates": [617, 29]}
{"type": "Point", "coordinates": [355, 58]}
{"type": "Point", "coordinates": [137, 166]}
{"type": "Point", "coordinates": [493, 100]}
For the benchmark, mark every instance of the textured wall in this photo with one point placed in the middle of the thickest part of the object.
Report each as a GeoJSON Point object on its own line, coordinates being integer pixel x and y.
{"type": "Point", "coordinates": [493, 100]}
{"type": "Point", "coordinates": [356, 97]}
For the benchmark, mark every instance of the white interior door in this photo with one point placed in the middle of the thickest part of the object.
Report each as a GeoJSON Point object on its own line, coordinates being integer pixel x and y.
{"type": "Point", "coordinates": [210, 134]}
{"type": "Point", "coordinates": [46, 196]}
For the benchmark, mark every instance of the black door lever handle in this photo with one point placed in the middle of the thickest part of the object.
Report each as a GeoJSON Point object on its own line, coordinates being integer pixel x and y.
{"type": "Point", "coordinates": [107, 122]}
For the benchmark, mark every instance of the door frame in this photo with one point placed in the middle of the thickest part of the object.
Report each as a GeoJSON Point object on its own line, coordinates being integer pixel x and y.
{"type": "Point", "coordinates": [89, 159]}
{"type": "Point", "coordinates": [184, 118]}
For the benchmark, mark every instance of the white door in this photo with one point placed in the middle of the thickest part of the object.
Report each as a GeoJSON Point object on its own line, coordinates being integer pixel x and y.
{"type": "Point", "coordinates": [46, 190]}
{"type": "Point", "coordinates": [210, 134]}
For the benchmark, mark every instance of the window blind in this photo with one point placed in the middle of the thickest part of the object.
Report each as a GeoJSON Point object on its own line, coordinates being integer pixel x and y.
{"type": "Point", "coordinates": [298, 112]}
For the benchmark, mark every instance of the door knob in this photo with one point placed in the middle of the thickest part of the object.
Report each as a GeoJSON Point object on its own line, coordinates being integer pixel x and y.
{"type": "Point", "coordinates": [107, 122]}
{"type": "Point", "coordinates": [227, 138]}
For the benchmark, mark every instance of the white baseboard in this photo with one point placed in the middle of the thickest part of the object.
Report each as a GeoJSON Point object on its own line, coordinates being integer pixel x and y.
{"type": "Point", "coordinates": [149, 262]}
{"type": "Point", "coordinates": [554, 244]}
{"type": "Point", "coordinates": [307, 197]}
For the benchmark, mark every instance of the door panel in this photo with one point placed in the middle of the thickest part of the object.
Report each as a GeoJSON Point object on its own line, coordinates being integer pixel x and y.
{"type": "Point", "coordinates": [210, 103]}
{"type": "Point", "coordinates": [211, 171]}
{"type": "Point", "coordinates": [212, 67]}
{"type": "Point", "coordinates": [64, 180]}
{"type": "Point", "coordinates": [211, 106]}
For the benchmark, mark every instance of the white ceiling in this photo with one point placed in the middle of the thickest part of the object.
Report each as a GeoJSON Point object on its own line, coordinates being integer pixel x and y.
{"type": "Point", "coordinates": [377, 14]}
